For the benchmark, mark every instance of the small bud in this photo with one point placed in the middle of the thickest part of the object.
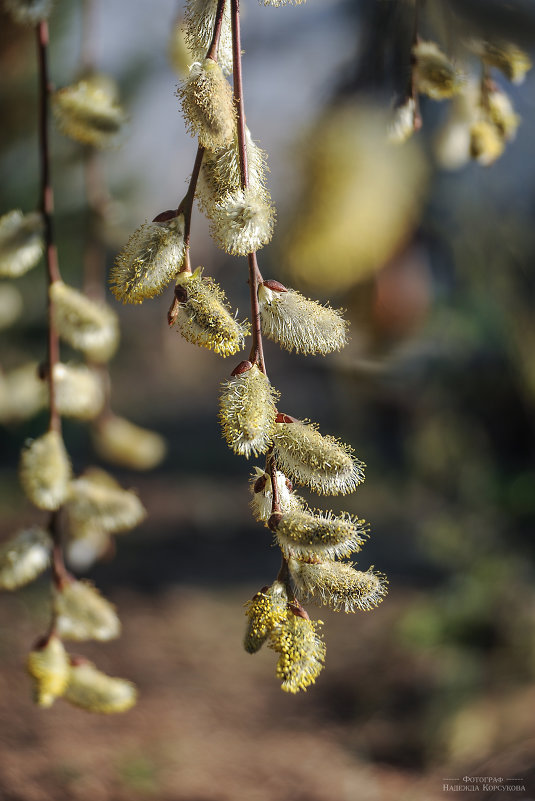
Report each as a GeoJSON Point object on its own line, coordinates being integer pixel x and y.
{"type": "Point", "coordinates": [121, 442]}
{"type": "Point", "coordinates": [323, 463]}
{"type": "Point", "coordinates": [49, 666]}
{"type": "Point", "coordinates": [204, 317]}
{"type": "Point", "coordinates": [337, 584]}
{"type": "Point", "coordinates": [97, 500]}
{"type": "Point", "coordinates": [199, 18]}
{"type": "Point", "coordinates": [45, 471]}
{"type": "Point", "coordinates": [243, 367]}
{"type": "Point", "coordinates": [88, 112]}
{"type": "Point", "coordinates": [262, 495]}
{"type": "Point", "coordinates": [302, 652]}
{"type": "Point", "coordinates": [28, 12]}
{"type": "Point", "coordinates": [436, 76]}
{"type": "Point", "coordinates": [90, 689]}
{"type": "Point", "coordinates": [298, 323]}
{"type": "Point", "coordinates": [242, 221]}
{"type": "Point", "coordinates": [83, 614]}
{"type": "Point", "coordinates": [83, 323]}
{"type": "Point", "coordinates": [266, 612]}
{"type": "Point", "coordinates": [247, 412]}
{"type": "Point", "coordinates": [78, 391]}
{"type": "Point", "coordinates": [208, 105]}
{"type": "Point", "coordinates": [24, 557]}
{"type": "Point", "coordinates": [21, 242]}
{"type": "Point", "coordinates": [151, 259]}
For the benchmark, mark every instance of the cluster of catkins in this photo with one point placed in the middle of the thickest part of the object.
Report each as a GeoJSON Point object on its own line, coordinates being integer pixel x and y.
{"type": "Point", "coordinates": [229, 183]}
{"type": "Point", "coordinates": [84, 512]}
{"type": "Point", "coordinates": [482, 119]}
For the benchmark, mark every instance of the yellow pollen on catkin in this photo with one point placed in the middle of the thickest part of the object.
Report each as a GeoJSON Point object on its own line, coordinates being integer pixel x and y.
{"type": "Point", "coordinates": [123, 443]}
{"type": "Point", "coordinates": [242, 221]}
{"type": "Point", "coordinates": [208, 105]}
{"type": "Point", "coordinates": [83, 323]}
{"type": "Point", "coordinates": [88, 112]}
{"type": "Point", "coordinates": [94, 691]}
{"type": "Point", "coordinates": [149, 261]}
{"type": "Point", "coordinates": [204, 317]}
{"type": "Point", "coordinates": [247, 412]}
{"type": "Point", "coordinates": [486, 143]}
{"type": "Point", "coordinates": [301, 652]}
{"type": "Point", "coordinates": [199, 16]}
{"type": "Point", "coordinates": [262, 495]}
{"type": "Point", "coordinates": [300, 324]}
{"type": "Point", "coordinates": [49, 668]}
{"type": "Point", "coordinates": [266, 612]}
{"type": "Point", "coordinates": [337, 584]}
{"type": "Point", "coordinates": [323, 463]}
{"type": "Point", "coordinates": [45, 471]}
{"type": "Point", "coordinates": [320, 535]}
{"type": "Point", "coordinates": [78, 391]}
{"type": "Point", "coordinates": [97, 500]}
{"type": "Point", "coordinates": [24, 557]}
{"type": "Point", "coordinates": [21, 242]}
{"type": "Point", "coordinates": [83, 614]}
{"type": "Point", "coordinates": [28, 12]}
{"type": "Point", "coordinates": [513, 62]}
{"type": "Point", "coordinates": [436, 76]}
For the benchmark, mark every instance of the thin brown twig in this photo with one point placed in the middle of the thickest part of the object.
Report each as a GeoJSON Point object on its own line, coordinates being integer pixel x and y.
{"type": "Point", "coordinates": [47, 209]}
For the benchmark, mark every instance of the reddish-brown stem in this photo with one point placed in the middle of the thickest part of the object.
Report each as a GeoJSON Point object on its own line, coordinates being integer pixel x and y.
{"type": "Point", "coordinates": [185, 206]}
{"type": "Point", "coordinates": [47, 209]}
{"type": "Point", "coordinates": [275, 503]}
{"type": "Point", "coordinates": [60, 574]}
{"type": "Point", "coordinates": [212, 50]}
{"type": "Point", "coordinates": [413, 81]}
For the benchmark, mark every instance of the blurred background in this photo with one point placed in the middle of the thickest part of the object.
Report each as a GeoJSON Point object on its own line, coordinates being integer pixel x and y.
{"type": "Point", "coordinates": [435, 391]}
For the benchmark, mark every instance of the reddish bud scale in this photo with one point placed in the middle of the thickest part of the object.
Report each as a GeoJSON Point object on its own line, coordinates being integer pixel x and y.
{"type": "Point", "coordinates": [275, 286]}
{"type": "Point", "coordinates": [165, 216]}
{"type": "Point", "coordinates": [296, 608]}
{"type": "Point", "coordinates": [274, 520]}
{"type": "Point", "coordinates": [260, 484]}
{"type": "Point", "coordinates": [285, 418]}
{"type": "Point", "coordinates": [242, 367]}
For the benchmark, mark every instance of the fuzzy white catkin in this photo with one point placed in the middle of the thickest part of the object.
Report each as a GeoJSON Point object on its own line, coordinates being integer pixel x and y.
{"type": "Point", "coordinates": [149, 261]}
{"type": "Point", "coordinates": [300, 324]}
{"type": "Point", "coordinates": [21, 242]}
{"type": "Point", "coordinates": [22, 393]}
{"type": "Point", "coordinates": [24, 557]}
{"type": "Point", "coordinates": [97, 500]}
{"type": "Point", "coordinates": [11, 304]}
{"type": "Point", "coordinates": [88, 112]}
{"type": "Point", "coordinates": [323, 463]}
{"type": "Point", "coordinates": [242, 221]}
{"type": "Point", "coordinates": [337, 584]}
{"type": "Point", "coordinates": [94, 691]}
{"type": "Point", "coordinates": [247, 412]}
{"type": "Point", "coordinates": [83, 323]}
{"type": "Point", "coordinates": [204, 317]}
{"type": "Point", "coordinates": [79, 392]}
{"type": "Point", "coordinates": [199, 16]}
{"type": "Point", "coordinates": [208, 105]}
{"type": "Point", "coordinates": [83, 614]}
{"type": "Point", "coordinates": [124, 443]}
{"type": "Point", "coordinates": [319, 535]}
{"type": "Point", "coordinates": [49, 668]}
{"type": "Point", "coordinates": [45, 471]}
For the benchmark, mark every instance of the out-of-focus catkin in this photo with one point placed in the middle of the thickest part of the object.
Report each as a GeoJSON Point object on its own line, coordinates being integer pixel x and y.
{"type": "Point", "coordinates": [45, 471]}
{"type": "Point", "coordinates": [83, 614]}
{"type": "Point", "coordinates": [49, 667]}
{"type": "Point", "coordinates": [21, 242]}
{"type": "Point", "coordinates": [90, 689]}
{"type": "Point", "coordinates": [83, 323]}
